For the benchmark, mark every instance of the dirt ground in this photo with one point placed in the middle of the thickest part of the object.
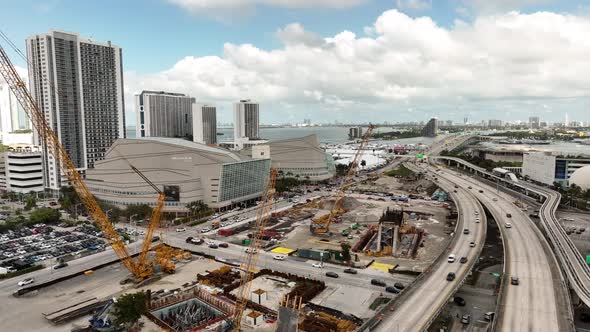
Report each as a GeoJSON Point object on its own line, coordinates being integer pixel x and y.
{"type": "Point", "coordinates": [369, 212]}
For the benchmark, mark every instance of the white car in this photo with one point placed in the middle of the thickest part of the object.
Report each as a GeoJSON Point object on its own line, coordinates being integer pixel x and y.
{"type": "Point", "coordinates": [476, 213]}
{"type": "Point", "coordinates": [508, 225]}
{"type": "Point", "coordinates": [318, 265]}
{"type": "Point", "coordinates": [472, 244]}
{"type": "Point", "coordinates": [451, 258]}
{"type": "Point", "coordinates": [279, 257]}
{"type": "Point", "coordinates": [205, 230]}
{"type": "Point", "coordinates": [477, 220]}
{"type": "Point", "coordinates": [26, 281]}
{"type": "Point", "coordinates": [249, 250]}
{"type": "Point", "coordinates": [181, 229]}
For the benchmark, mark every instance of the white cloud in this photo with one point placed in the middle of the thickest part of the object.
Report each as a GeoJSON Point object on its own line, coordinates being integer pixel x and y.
{"type": "Point", "coordinates": [414, 4]}
{"type": "Point", "coordinates": [492, 63]}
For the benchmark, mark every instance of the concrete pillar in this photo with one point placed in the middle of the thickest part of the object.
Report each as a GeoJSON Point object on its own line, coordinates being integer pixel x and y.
{"type": "Point", "coordinates": [395, 236]}
{"type": "Point", "coordinates": [379, 230]}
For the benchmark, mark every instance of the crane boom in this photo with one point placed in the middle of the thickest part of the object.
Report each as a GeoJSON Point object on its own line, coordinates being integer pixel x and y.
{"type": "Point", "coordinates": [262, 215]}
{"type": "Point", "coordinates": [322, 225]}
{"type": "Point", "coordinates": [47, 135]}
{"type": "Point", "coordinates": [145, 269]}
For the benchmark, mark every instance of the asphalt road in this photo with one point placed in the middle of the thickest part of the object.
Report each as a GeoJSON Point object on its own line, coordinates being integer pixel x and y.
{"type": "Point", "coordinates": [415, 312]}
{"type": "Point", "coordinates": [296, 265]}
{"type": "Point", "coordinates": [531, 305]}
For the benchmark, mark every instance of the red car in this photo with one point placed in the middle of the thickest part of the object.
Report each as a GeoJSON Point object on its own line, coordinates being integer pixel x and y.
{"type": "Point", "coordinates": [224, 245]}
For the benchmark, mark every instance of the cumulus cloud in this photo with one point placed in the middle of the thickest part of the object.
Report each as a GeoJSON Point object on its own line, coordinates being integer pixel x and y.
{"type": "Point", "coordinates": [414, 4]}
{"type": "Point", "coordinates": [403, 63]}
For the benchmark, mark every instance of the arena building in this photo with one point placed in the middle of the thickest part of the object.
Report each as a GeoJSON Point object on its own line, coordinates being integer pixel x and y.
{"type": "Point", "coordinates": [300, 157]}
{"type": "Point", "coordinates": [186, 171]}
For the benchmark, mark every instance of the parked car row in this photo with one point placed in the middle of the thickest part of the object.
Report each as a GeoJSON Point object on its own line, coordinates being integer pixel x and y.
{"type": "Point", "coordinates": [45, 243]}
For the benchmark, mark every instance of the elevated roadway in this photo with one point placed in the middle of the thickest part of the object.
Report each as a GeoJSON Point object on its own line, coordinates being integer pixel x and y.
{"type": "Point", "coordinates": [540, 301]}
{"type": "Point", "coordinates": [572, 262]}
{"type": "Point", "coordinates": [419, 306]}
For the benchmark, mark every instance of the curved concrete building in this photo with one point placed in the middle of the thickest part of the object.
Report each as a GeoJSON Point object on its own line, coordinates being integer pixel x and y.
{"type": "Point", "coordinates": [186, 171]}
{"type": "Point", "coordinates": [302, 157]}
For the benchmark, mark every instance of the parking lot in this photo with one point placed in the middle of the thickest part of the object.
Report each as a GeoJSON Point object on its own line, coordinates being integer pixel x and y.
{"type": "Point", "coordinates": [30, 245]}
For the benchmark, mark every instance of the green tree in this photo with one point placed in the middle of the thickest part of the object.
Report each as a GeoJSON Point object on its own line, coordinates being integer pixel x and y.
{"type": "Point", "coordinates": [31, 202]}
{"type": "Point", "coordinates": [44, 216]}
{"type": "Point", "coordinates": [129, 308]}
{"type": "Point", "coordinates": [342, 169]}
{"type": "Point", "coordinates": [198, 209]}
{"type": "Point", "coordinates": [345, 251]}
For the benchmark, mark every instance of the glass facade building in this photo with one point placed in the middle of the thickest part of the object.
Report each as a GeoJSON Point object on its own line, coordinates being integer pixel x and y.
{"type": "Point", "coordinates": [243, 179]}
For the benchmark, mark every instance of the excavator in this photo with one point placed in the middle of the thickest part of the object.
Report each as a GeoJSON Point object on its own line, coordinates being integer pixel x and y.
{"type": "Point", "coordinates": [140, 269]}
{"type": "Point", "coordinates": [321, 225]}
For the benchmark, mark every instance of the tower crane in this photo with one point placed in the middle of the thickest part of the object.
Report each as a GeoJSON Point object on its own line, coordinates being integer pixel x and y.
{"type": "Point", "coordinates": [67, 166]}
{"type": "Point", "coordinates": [321, 225]}
{"type": "Point", "coordinates": [262, 215]}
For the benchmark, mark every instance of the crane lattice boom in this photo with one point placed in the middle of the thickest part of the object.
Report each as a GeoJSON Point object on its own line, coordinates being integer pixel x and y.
{"type": "Point", "coordinates": [47, 135]}
{"type": "Point", "coordinates": [322, 225]}
{"type": "Point", "coordinates": [262, 215]}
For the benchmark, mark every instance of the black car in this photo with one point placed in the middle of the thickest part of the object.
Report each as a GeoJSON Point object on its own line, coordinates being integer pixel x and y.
{"type": "Point", "coordinates": [378, 282]}
{"type": "Point", "coordinates": [459, 301]}
{"type": "Point", "coordinates": [189, 239]}
{"type": "Point", "coordinates": [332, 274]}
{"type": "Point", "coordinates": [463, 260]}
{"type": "Point", "coordinates": [60, 265]}
{"type": "Point", "coordinates": [399, 285]}
{"type": "Point", "coordinates": [350, 271]}
{"type": "Point", "coordinates": [391, 289]}
{"type": "Point", "coordinates": [451, 276]}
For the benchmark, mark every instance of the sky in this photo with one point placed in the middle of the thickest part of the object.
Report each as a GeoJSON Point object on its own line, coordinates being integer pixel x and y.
{"type": "Point", "coordinates": [340, 60]}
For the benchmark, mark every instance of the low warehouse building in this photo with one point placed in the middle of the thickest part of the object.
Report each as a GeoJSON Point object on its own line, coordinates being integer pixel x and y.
{"type": "Point", "coordinates": [186, 171]}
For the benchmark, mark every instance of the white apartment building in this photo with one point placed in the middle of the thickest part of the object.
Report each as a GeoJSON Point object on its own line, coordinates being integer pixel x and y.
{"type": "Point", "coordinates": [246, 120]}
{"type": "Point", "coordinates": [163, 114]}
{"type": "Point", "coordinates": [23, 169]}
{"type": "Point", "coordinates": [78, 85]}
{"type": "Point", "coordinates": [204, 124]}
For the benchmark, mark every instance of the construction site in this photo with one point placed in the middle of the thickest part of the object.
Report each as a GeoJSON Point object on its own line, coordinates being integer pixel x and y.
{"type": "Point", "coordinates": [270, 273]}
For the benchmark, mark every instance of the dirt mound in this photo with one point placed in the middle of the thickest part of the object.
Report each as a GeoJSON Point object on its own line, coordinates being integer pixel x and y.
{"type": "Point", "coordinates": [348, 203]}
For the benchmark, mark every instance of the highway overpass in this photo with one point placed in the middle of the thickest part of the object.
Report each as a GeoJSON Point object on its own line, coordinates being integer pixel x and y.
{"type": "Point", "coordinates": [572, 262]}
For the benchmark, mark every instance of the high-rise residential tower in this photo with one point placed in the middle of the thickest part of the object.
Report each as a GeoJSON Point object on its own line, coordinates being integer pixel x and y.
{"type": "Point", "coordinates": [246, 120]}
{"type": "Point", "coordinates": [431, 128]}
{"type": "Point", "coordinates": [163, 114]}
{"type": "Point", "coordinates": [534, 122]}
{"type": "Point", "coordinates": [13, 117]}
{"type": "Point", "coordinates": [204, 124]}
{"type": "Point", "coordinates": [78, 85]}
